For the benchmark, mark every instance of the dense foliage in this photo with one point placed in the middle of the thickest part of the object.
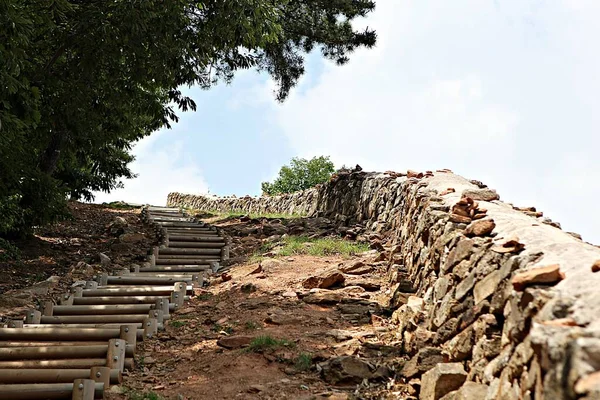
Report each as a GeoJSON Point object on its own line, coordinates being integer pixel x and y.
{"type": "Point", "coordinates": [299, 175]}
{"type": "Point", "coordinates": [81, 81]}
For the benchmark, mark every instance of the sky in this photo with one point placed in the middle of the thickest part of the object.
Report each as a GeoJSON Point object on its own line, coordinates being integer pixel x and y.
{"type": "Point", "coordinates": [502, 91]}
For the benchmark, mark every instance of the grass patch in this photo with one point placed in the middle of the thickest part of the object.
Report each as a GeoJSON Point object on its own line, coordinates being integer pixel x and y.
{"type": "Point", "coordinates": [204, 296]}
{"type": "Point", "coordinates": [119, 205]}
{"type": "Point", "coordinates": [297, 245]}
{"type": "Point", "coordinates": [266, 342]}
{"type": "Point", "coordinates": [137, 395]}
{"type": "Point", "coordinates": [303, 362]}
{"type": "Point", "coordinates": [217, 215]}
{"type": "Point", "coordinates": [178, 324]}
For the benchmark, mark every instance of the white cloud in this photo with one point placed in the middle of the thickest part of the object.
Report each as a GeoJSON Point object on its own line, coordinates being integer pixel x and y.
{"type": "Point", "coordinates": [496, 91]}
{"type": "Point", "coordinates": [161, 169]}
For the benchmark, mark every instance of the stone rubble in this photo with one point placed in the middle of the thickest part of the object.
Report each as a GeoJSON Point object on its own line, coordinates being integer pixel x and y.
{"type": "Point", "coordinates": [489, 300]}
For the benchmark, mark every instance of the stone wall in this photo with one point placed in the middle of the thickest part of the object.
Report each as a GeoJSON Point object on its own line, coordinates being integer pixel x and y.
{"type": "Point", "coordinates": [498, 300]}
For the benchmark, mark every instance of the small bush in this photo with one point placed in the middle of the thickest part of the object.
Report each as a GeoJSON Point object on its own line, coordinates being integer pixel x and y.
{"type": "Point", "coordinates": [8, 251]}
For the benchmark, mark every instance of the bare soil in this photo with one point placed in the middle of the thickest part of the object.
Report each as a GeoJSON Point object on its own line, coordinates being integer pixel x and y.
{"type": "Point", "coordinates": [267, 298]}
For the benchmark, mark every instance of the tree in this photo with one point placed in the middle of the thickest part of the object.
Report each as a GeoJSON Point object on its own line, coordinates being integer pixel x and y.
{"type": "Point", "coordinates": [82, 81]}
{"type": "Point", "coordinates": [301, 174]}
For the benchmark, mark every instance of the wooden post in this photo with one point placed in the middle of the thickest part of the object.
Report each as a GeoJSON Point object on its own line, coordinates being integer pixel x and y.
{"type": "Point", "coordinates": [102, 375]}
{"type": "Point", "coordinates": [15, 323]}
{"type": "Point", "coordinates": [162, 304]}
{"type": "Point", "coordinates": [150, 327]}
{"type": "Point", "coordinates": [177, 298]}
{"type": "Point", "coordinates": [84, 389]}
{"type": "Point", "coordinates": [158, 315]}
{"type": "Point", "coordinates": [91, 285]}
{"type": "Point", "coordinates": [33, 317]}
{"type": "Point", "coordinates": [48, 308]}
{"type": "Point", "coordinates": [115, 357]}
{"type": "Point", "coordinates": [129, 334]}
{"type": "Point", "coordinates": [66, 299]}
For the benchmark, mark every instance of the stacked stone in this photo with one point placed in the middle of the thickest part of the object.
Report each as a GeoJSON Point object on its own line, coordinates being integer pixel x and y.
{"type": "Point", "coordinates": [492, 302]}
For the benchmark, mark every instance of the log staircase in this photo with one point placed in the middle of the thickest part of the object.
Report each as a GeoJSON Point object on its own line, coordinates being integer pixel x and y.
{"type": "Point", "coordinates": [78, 345]}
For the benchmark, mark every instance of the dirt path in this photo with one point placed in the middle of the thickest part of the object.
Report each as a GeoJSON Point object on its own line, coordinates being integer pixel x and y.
{"type": "Point", "coordinates": [261, 334]}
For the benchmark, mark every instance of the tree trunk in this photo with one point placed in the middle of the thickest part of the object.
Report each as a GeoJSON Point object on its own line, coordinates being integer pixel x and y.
{"type": "Point", "coordinates": [50, 157]}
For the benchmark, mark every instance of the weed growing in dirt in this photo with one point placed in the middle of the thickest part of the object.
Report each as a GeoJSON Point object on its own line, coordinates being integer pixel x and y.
{"type": "Point", "coordinates": [295, 245]}
{"type": "Point", "coordinates": [204, 296]}
{"type": "Point", "coordinates": [251, 325]}
{"type": "Point", "coordinates": [262, 343]}
{"type": "Point", "coordinates": [178, 324]}
{"type": "Point", "coordinates": [137, 395]}
{"type": "Point", "coordinates": [303, 362]}
{"type": "Point", "coordinates": [218, 328]}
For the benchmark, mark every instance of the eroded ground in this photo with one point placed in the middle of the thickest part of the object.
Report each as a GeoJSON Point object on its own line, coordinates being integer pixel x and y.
{"type": "Point", "coordinates": [260, 332]}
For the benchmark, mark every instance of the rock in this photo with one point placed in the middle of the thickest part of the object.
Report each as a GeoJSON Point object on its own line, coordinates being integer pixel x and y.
{"type": "Point", "coordinates": [358, 268]}
{"type": "Point", "coordinates": [149, 361]}
{"type": "Point", "coordinates": [248, 288]}
{"type": "Point", "coordinates": [414, 174]}
{"type": "Point", "coordinates": [340, 335]}
{"type": "Point", "coordinates": [282, 319]}
{"type": "Point", "coordinates": [235, 342]}
{"type": "Point", "coordinates": [511, 245]}
{"type": "Point", "coordinates": [132, 237]}
{"type": "Point", "coordinates": [118, 389]}
{"type": "Point", "coordinates": [481, 194]}
{"type": "Point", "coordinates": [459, 219]}
{"type": "Point", "coordinates": [82, 268]}
{"type": "Point", "coordinates": [290, 294]}
{"type": "Point", "coordinates": [550, 274]}
{"type": "Point", "coordinates": [256, 270]}
{"type": "Point", "coordinates": [461, 346]}
{"type": "Point", "coordinates": [270, 263]}
{"type": "Point", "coordinates": [323, 297]}
{"type": "Point", "coordinates": [447, 191]}
{"type": "Point", "coordinates": [353, 289]}
{"type": "Point", "coordinates": [256, 388]}
{"type": "Point", "coordinates": [345, 370]}
{"type": "Point", "coordinates": [324, 281]}
{"type": "Point", "coordinates": [441, 380]}
{"type": "Point", "coordinates": [596, 266]}
{"type": "Point", "coordinates": [424, 360]}
{"type": "Point", "coordinates": [487, 286]}
{"type": "Point", "coordinates": [588, 383]}
{"type": "Point", "coordinates": [482, 227]}
{"type": "Point", "coordinates": [468, 391]}
{"type": "Point", "coordinates": [53, 279]}
{"type": "Point", "coordinates": [104, 259]}
{"type": "Point", "coordinates": [117, 226]}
